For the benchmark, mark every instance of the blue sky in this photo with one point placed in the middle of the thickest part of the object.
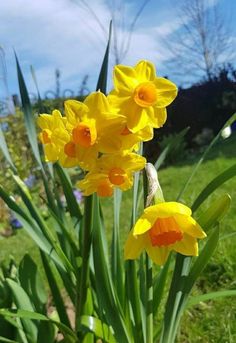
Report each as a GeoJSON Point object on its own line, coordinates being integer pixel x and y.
{"type": "Point", "coordinates": [64, 34]}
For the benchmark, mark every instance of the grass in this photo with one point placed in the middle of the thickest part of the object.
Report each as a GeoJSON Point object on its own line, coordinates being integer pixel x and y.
{"type": "Point", "coordinates": [210, 322]}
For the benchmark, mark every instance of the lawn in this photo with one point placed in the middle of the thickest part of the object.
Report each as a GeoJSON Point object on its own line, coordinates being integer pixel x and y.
{"type": "Point", "coordinates": [213, 321]}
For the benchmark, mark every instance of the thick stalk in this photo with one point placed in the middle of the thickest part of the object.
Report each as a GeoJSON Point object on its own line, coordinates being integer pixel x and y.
{"type": "Point", "coordinates": [149, 301]}
{"type": "Point", "coordinates": [83, 278]}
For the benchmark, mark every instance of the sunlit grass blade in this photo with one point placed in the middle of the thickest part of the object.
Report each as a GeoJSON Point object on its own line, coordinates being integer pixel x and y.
{"type": "Point", "coordinates": [102, 79]}
{"type": "Point", "coordinates": [206, 151]}
{"type": "Point", "coordinates": [100, 329]}
{"type": "Point", "coordinates": [192, 301]}
{"type": "Point", "coordinates": [28, 115]}
{"type": "Point", "coordinates": [213, 185]}
{"type": "Point", "coordinates": [5, 151]}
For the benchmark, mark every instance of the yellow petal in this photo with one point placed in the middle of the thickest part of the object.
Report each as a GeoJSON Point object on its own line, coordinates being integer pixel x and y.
{"type": "Point", "coordinates": [157, 116]}
{"type": "Point", "coordinates": [166, 92]}
{"type": "Point", "coordinates": [134, 246]}
{"type": "Point", "coordinates": [74, 110]}
{"type": "Point", "coordinates": [137, 117]}
{"type": "Point", "coordinates": [158, 255]}
{"type": "Point", "coordinates": [51, 152]}
{"type": "Point", "coordinates": [187, 246]}
{"type": "Point", "coordinates": [97, 102]}
{"type": "Point", "coordinates": [167, 209]}
{"type": "Point", "coordinates": [125, 78]}
{"type": "Point", "coordinates": [145, 71]}
{"type": "Point", "coordinates": [142, 225]}
{"type": "Point", "coordinates": [189, 226]}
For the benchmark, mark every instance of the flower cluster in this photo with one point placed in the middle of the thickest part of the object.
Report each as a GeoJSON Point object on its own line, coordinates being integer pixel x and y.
{"type": "Point", "coordinates": [102, 134]}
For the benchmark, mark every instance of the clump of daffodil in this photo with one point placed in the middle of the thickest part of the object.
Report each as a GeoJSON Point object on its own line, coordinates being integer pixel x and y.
{"type": "Point", "coordinates": [88, 124]}
{"type": "Point", "coordinates": [162, 228]}
{"type": "Point", "coordinates": [141, 96]}
{"type": "Point", "coordinates": [112, 170]}
{"type": "Point", "coordinates": [54, 135]}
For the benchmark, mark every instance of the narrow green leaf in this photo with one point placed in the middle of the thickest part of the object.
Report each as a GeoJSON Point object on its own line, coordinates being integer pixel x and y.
{"type": "Point", "coordinates": [55, 291]}
{"type": "Point", "coordinates": [159, 285]}
{"type": "Point", "coordinates": [213, 185]}
{"type": "Point", "coordinates": [100, 329]}
{"type": "Point", "coordinates": [210, 296]}
{"type": "Point", "coordinates": [215, 139]}
{"type": "Point", "coordinates": [173, 142]}
{"type": "Point", "coordinates": [202, 259]}
{"type": "Point", "coordinates": [215, 212]}
{"type": "Point", "coordinates": [104, 285]}
{"type": "Point", "coordinates": [102, 79]}
{"type": "Point", "coordinates": [28, 115]}
{"type": "Point", "coordinates": [22, 301]}
{"type": "Point", "coordinates": [50, 236]}
{"type": "Point", "coordinates": [69, 335]}
{"type": "Point", "coordinates": [117, 269]}
{"type": "Point", "coordinates": [32, 283]}
{"type": "Point", "coordinates": [72, 203]}
{"type": "Point", "coordinates": [6, 340]}
{"type": "Point", "coordinates": [4, 148]}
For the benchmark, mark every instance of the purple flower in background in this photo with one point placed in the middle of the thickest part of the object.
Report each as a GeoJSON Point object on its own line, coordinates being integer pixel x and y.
{"type": "Point", "coordinates": [30, 180]}
{"type": "Point", "coordinates": [78, 195]}
{"type": "Point", "coordinates": [15, 223]}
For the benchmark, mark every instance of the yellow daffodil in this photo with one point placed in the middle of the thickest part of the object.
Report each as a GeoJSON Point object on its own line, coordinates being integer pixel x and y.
{"type": "Point", "coordinates": [113, 170]}
{"type": "Point", "coordinates": [164, 227]}
{"type": "Point", "coordinates": [121, 138]}
{"type": "Point", "coordinates": [54, 134]}
{"type": "Point", "coordinates": [141, 96]}
{"type": "Point", "coordinates": [87, 123]}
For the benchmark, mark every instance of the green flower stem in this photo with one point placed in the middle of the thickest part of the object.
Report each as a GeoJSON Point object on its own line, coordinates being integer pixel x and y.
{"type": "Point", "coordinates": [149, 301]}
{"type": "Point", "coordinates": [83, 278]}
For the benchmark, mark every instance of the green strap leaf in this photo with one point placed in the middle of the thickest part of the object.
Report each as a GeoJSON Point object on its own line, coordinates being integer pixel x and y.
{"type": "Point", "coordinates": [4, 148]}
{"type": "Point", "coordinates": [32, 283]}
{"type": "Point", "coordinates": [6, 340]}
{"type": "Point", "coordinates": [72, 204]}
{"type": "Point", "coordinates": [28, 115]}
{"type": "Point", "coordinates": [215, 139]}
{"type": "Point", "coordinates": [215, 212]}
{"type": "Point", "coordinates": [22, 301]}
{"type": "Point", "coordinates": [174, 141]}
{"type": "Point", "coordinates": [100, 329]}
{"type": "Point", "coordinates": [213, 185]}
{"type": "Point", "coordinates": [57, 298]}
{"type": "Point", "coordinates": [104, 286]}
{"type": "Point", "coordinates": [210, 296]}
{"type": "Point", "coordinates": [102, 79]}
{"type": "Point", "coordinates": [69, 335]}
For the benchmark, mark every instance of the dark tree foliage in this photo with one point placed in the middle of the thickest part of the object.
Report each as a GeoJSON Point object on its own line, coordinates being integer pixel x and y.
{"type": "Point", "coordinates": [207, 104]}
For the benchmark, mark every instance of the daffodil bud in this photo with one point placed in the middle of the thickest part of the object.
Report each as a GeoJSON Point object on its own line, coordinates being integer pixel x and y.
{"type": "Point", "coordinates": [154, 188]}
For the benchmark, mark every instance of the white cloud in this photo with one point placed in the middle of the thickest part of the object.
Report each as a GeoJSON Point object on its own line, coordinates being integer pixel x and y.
{"type": "Point", "coordinates": [64, 34]}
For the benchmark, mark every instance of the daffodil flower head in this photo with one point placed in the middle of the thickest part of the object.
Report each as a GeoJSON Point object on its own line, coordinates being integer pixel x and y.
{"type": "Point", "coordinates": [53, 135]}
{"type": "Point", "coordinates": [162, 228]}
{"type": "Point", "coordinates": [112, 170]}
{"type": "Point", "coordinates": [141, 96]}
